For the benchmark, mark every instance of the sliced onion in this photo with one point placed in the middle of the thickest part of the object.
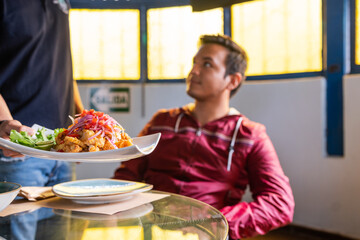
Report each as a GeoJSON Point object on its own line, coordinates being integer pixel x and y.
{"type": "Point", "coordinates": [112, 143]}
{"type": "Point", "coordinates": [72, 119]}
{"type": "Point", "coordinates": [108, 129]}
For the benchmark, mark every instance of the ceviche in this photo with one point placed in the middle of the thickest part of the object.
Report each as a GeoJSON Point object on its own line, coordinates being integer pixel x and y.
{"type": "Point", "coordinates": [92, 131]}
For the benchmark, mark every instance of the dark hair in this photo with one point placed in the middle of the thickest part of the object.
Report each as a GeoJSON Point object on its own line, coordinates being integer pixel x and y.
{"type": "Point", "coordinates": [236, 61]}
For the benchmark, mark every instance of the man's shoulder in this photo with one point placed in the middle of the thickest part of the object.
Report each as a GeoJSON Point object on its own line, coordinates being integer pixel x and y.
{"type": "Point", "coordinates": [250, 124]}
{"type": "Point", "coordinates": [168, 113]}
{"type": "Point", "coordinates": [252, 129]}
{"type": "Point", "coordinates": [246, 122]}
{"type": "Point", "coordinates": [167, 117]}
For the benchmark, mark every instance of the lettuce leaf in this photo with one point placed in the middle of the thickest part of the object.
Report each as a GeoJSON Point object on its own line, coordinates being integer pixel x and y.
{"type": "Point", "coordinates": [40, 140]}
{"type": "Point", "coordinates": [22, 138]}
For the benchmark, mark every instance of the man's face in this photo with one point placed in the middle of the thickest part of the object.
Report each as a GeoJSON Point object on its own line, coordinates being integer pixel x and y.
{"type": "Point", "coordinates": [206, 79]}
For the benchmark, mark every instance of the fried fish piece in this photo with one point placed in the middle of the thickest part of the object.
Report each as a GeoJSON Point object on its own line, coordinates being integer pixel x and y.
{"type": "Point", "coordinates": [97, 141]}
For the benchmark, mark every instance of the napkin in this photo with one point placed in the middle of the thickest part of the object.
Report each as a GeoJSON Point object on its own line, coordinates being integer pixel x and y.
{"type": "Point", "coordinates": [36, 193]}
{"type": "Point", "coordinates": [59, 203]}
{"type": "Point", "coordinates": [20, 205]}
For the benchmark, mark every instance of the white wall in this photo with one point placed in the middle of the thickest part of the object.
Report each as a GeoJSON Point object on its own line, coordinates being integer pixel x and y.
{"type": "Point", "coordinates": [326, 189]}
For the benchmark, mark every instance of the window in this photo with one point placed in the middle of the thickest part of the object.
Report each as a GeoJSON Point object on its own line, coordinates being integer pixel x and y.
{"type": "Point", "coordinates": [105, 44]}
{"type": "Point", "coordinates": [279, 36]}
{"type": "Point", "coordinates": [283, 38]}
{"type": "Point", "coordinates": [173, 34]}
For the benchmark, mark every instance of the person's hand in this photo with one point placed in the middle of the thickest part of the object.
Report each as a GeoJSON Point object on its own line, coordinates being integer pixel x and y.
{"type": "Point", "coordinates": [5, 128]}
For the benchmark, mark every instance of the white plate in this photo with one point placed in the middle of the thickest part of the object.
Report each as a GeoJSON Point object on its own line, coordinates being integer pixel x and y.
{"type": "Point", "coordinates": [8, 192]}
{"type": "Point", "coordinates": [142, 146]}
{"type": "Point", "coordinates": [100, 190]}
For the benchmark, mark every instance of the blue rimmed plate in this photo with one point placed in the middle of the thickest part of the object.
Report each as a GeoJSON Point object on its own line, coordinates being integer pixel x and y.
{"type": "Point", "coordinates": [99, 190]}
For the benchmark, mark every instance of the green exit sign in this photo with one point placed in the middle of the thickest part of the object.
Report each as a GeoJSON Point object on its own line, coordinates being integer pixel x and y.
{"type": "Point", "coordinates": [110, 99]}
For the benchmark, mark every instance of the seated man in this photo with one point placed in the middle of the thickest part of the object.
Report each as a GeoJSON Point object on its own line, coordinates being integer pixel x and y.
{"type": "Point", "coordinates": [211, 152]}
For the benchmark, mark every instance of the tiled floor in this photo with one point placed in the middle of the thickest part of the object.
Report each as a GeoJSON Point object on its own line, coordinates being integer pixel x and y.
{"type": "Point", "coordinates": [298, 233]}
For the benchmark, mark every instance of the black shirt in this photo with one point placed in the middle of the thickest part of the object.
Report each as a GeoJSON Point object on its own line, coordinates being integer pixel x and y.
{"type": "Point", "coordinates": [35, 61]}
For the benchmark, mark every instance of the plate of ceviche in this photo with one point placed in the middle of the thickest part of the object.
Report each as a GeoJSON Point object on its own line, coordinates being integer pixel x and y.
{"type": "Point", "coordinates": [92, 137]}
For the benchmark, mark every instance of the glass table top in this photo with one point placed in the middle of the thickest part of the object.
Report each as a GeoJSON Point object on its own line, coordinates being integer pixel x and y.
{"type": "Point", "coordinates": [173, 217]}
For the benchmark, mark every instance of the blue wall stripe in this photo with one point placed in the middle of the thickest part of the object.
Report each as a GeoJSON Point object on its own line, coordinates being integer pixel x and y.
{"type": "Point", "coordinates": [335, 34]}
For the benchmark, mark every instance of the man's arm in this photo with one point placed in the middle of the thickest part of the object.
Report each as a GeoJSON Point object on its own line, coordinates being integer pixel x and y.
{"type": "Point", "coordinates": [77, 99]}
{"type": "Point", "coordinates": [273, 202]}
{"type": "Point", "coordinates": [135, 169]}
{"type": "Point", "coordinates": [8, 123]}
{"type": "Point", "coordinates": [4, 110]}
{"type": "Point", "coordinates": [132, 170]}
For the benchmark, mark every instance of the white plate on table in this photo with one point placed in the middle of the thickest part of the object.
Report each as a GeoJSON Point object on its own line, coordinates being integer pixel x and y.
{"type": "Point", "coordinates": [142, 146]}
{"type": "Point", "coordinates": [99, 190]}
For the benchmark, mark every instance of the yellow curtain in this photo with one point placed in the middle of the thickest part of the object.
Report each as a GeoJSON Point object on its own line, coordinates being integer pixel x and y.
{"type": "Point", "coordinates": [280, 36]}
{"type": "Point", "coordinates": [173, 34]}
{"type": "Point", "coordinates": [105, 44]}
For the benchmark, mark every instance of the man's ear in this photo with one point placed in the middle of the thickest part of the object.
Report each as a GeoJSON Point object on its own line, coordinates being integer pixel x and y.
{"type": "Point", "coordinates": [235, 80]}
